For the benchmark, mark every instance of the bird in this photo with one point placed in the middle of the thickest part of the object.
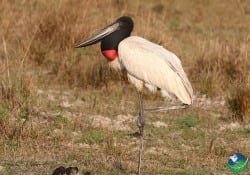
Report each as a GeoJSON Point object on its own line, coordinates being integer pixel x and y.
{"type": "Point", "coordinates": [65, 171]}
{"type": "Point", "coordinates": [146, 64]}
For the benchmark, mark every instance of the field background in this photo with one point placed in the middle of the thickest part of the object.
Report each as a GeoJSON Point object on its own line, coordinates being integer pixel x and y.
{"type": "Point", "coordinates": [64, 106]}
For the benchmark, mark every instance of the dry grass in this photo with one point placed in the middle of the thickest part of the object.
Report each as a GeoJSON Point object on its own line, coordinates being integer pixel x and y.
{"type": "Point", "coordinates": [49, 91]}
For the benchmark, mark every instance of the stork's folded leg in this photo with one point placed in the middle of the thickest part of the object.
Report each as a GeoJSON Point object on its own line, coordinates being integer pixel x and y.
{"type": "Point", "coordinates": [161, 109]}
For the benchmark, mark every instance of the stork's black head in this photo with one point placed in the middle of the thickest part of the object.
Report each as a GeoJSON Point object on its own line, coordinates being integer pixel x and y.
{"type": "Point", "coordinates": [111, 36]}
{"type": "Point", "coordinates": [125, 27]}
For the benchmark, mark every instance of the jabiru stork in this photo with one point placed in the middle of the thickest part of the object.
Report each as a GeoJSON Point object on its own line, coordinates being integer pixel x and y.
{"type": "Point", "coordinates": [146, 64]}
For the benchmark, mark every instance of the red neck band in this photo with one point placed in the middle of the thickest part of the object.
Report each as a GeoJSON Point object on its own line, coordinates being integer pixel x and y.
{"type": "Point", "coordinates": [110, 54]}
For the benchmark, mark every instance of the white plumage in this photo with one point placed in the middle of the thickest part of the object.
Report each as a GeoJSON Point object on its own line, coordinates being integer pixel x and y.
{"type": "Point", "coordinates": [148, 64]}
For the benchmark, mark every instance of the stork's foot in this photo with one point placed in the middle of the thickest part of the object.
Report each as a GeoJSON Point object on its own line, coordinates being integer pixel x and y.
{"type": "Point", "coordinates": [162, 109]}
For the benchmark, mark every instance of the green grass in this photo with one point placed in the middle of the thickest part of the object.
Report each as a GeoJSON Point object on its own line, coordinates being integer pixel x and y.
{"type": "Point", "coordinates": [187, 122]}
{"type": "Point", "coordinates": [175, 23]}
{"type": "Point", "coordinates": [92, 137]}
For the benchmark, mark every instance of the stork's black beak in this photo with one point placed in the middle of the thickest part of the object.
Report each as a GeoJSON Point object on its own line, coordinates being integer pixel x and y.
{"type": "Point", "coordinates": [100, 35]}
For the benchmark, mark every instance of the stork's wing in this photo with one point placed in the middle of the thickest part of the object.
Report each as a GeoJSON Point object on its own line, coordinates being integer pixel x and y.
{"type": "Point", "coordinates": [155, 65]}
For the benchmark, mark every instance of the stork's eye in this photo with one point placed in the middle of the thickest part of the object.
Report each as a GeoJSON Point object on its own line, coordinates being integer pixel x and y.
{"type": "Point", "coordinates": [123, 23]}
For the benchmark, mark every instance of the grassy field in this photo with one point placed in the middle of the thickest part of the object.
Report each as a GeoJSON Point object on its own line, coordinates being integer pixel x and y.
{"type": "Point", "coordinates": [64, 106]}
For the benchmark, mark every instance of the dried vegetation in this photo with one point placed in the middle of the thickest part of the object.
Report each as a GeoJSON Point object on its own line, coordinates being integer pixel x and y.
{"type": "Point", "coordinates": [49, 91]}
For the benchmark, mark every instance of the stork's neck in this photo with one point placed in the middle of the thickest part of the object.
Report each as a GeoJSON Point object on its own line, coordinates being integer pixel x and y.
{"type": "Point", "coordinates": [109, 45]}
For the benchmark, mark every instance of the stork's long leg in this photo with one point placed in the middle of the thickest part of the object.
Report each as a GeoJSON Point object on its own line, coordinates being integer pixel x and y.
{"type": "Point", "coordinates": [140, 124]}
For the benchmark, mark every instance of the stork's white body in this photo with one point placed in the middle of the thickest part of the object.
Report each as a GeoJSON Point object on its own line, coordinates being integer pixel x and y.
{"type": "Point", "coordinates": [148, 64]}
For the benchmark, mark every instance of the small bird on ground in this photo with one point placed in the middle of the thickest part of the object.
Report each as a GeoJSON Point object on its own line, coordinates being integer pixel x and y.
{"type": "Point", "coordinates": [65, 171]}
